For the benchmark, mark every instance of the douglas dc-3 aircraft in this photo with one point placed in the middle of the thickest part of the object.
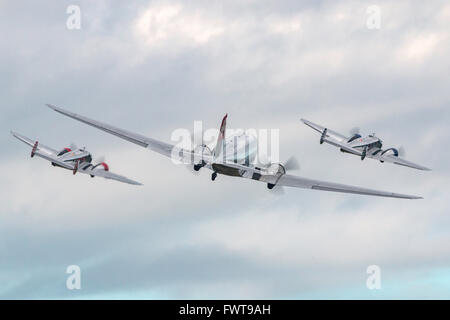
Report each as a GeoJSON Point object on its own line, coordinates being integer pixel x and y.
{"type": "Point", "coordinates": [231, 161]}
{"type": "Point", "coordinates": [74, 159]}
{"type": "Point", "coordinates": [368, 146]}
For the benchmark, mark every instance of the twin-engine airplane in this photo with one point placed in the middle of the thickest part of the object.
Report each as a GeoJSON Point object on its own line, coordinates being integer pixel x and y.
{"type": "Point", "coordinates": [235, 161]}
{"type": "Point", "coordinates": [368, 146]}
{"type": "Point", "coordinates": [74, 159]}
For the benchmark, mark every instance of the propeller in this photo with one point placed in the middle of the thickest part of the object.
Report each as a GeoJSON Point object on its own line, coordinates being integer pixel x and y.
{"type": "Point", "coordinates": [289, 165]}
{"type": "Point", "coordinates": [354, 131]}
{"type": "Point", "coordinates": [100, 159]}
{"type": "Point", "coordinates": [401, 151]}
{"type": "Point", "coordinates": [73, 146]}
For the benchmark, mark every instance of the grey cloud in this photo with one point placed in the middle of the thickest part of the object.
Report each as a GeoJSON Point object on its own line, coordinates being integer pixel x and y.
{"type": "Point", "coordinates": [182, 236]}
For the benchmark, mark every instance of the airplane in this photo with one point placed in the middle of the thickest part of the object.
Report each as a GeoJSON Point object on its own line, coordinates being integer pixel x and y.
{"type": "Point", "coordinates": [74, 159]}
{"type": "Point", "coordinates": [234, 162]}
{"type": "Point", "coordinates": [369, 146]}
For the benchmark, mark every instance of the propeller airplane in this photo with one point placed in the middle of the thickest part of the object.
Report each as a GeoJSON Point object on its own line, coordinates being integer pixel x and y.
{"type": "Point", "coordinates": [73, 158]}
{"type": "Point", "coordinates": [369, 146]}
{"type": "Point", "coordinates": [235, 161]}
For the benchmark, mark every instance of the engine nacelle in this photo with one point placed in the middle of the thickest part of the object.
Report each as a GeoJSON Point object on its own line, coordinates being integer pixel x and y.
{"type": "Point", "coordinates": [63, 151]}
{"type": "Point", "coordinates": [390, 151]}
{"type": "Point", "coordinates": [354, 137]}
{"type": "Point", "coordinates": [200, 152]}
{"type": "Point", "coordinates": [276, 169]}
{"type": "Point", "coordinates": [203, 149]}
{"type": "Point", "coordinates": [101, 165]}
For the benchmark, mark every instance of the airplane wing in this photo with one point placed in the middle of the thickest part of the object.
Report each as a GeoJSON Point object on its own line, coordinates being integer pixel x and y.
{"type": "Point", "coordinates": [332, 137]}
{"type": "Point", "coordinates": [342, 145]}
{"type": "Point", "coordinates": [330, 133]}
{"type": "Point", "coordinates": [42, 151]}
{"type": "Point", "coordinates": [109, 175]}
{"type": "Point", "coordinates": [28, 141]}
{"type": "Point", "coordinates": [51, 155]}
{"type": "Point", "coordinates": [298, 182]}
{"type": "Point", "coordinates": [402, 162]}
{"type": "Point", "coordinates": [163, 148]}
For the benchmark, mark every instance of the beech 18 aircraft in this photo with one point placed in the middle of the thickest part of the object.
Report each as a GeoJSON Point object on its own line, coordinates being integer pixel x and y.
{"type": "Point", "coordinates": [74, 159]}
{"type": "Point", "coordinates": [368, 146]}
{"type": "Point", "coordinates": [235, 161]}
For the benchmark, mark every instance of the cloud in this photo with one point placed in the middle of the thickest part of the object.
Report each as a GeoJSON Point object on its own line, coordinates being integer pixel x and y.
{"type": "Point", "coordinates": [165, 22]}
{"type": "Point", "coordinates": [419, 47]}
{"type": "Point", "coordinates": [152, 67]}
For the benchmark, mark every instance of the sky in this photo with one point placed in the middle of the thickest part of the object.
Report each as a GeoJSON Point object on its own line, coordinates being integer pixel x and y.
{"type": "Point", "coordinates": [155, 66]}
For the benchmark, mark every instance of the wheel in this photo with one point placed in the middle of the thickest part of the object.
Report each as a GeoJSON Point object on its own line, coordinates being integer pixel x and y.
{"type": "Point", "coordinates": [214, 176]}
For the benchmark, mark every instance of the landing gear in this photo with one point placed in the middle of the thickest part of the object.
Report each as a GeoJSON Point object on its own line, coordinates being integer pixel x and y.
{"type": "Point", "coordinates": [91, 175]}
{"type": "Point", "coordinates": [214, 176]}
{"type": "Point", "coordinates": [364, 153]}
{"type": "Point", "coordinates": [270, 186]}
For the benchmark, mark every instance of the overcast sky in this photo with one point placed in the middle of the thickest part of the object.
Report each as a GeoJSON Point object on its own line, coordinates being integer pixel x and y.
{"type": "Point", "coordinates": [155, 66]}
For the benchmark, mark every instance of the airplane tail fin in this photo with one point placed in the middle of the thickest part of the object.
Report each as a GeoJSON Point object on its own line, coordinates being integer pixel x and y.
{"type": "Point", "coordinates": [219, 144]}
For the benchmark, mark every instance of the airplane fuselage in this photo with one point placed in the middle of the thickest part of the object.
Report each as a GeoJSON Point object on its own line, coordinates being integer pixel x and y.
{"type": "Point", "coordinates": [240, 149]}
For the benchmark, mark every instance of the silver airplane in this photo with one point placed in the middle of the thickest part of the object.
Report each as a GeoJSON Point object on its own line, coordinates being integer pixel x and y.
{"type": "Point", "coordinates": [235, 161]}
{"type": "Point", "coordinates": [74, 159]}
{"type": "Point", "coordinates": [368, 146]}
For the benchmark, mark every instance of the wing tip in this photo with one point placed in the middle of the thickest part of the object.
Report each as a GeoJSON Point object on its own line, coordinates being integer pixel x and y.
{"type": "Point", "coordinates": [53, 107]}
{"type": "Point", "coordinates": [17, 135]}
{"type": "Point", "coordinates": [409, 197]}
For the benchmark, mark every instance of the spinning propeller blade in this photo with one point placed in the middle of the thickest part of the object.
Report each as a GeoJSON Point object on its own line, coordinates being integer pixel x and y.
{"type": "Point", "coordinates": [289, 165]}
{"type": "Point", "coordinates": [401, 151]}
{"type": "Point", "coordinates": [354, 131]}
{"type": "Point", "coordinates": [73, 146]}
